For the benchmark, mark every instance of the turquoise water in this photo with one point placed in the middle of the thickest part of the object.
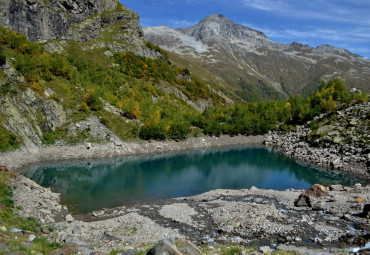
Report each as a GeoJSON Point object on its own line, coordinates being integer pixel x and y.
{"type": "Point", "coordinates": [87, 185]}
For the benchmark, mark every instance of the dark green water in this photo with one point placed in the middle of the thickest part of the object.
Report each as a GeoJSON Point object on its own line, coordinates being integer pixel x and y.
{"type": "Point", "coordinates": [88, 185]}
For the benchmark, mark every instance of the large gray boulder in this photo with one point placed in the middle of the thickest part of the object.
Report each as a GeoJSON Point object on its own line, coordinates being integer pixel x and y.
{"type": "Point", "coordinates": [308, 197]}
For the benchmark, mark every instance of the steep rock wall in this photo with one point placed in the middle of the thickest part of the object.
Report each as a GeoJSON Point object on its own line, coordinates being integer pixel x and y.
{"type": "Point", "coordinates": [78, 20]}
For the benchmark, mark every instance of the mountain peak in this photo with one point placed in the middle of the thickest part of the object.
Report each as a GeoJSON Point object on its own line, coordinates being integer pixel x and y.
{"type": "Point", "coordinates": [216, 18]}
{"type": "Point", "coordinates": [217, 26]}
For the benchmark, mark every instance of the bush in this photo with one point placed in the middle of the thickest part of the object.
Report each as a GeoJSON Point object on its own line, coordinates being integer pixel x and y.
{"type": "Point", "coordinates": [92, 100]}
{"type": "Point", "coordinates": [314, 125]}
{"type": "Point", "coordinates": [2, 57]}
{"type": "Point", "coordinates": [152, 133]}
{"type": "Point", "coordinates": [179, 131]}
{"type": "Point", "coordinates": [48, 138]}
{"type": "Point", "coordinates": [8, 141]}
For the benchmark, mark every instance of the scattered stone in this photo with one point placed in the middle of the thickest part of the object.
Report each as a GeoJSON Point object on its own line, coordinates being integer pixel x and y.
{"type": "Point", "coordinates": [27, 233]}
{"type": "Point", "coordinates": [358, 186]}
{"type": "Point", "coordinates": [337, 187]}
{"type": "Point", "coordinates": [45, 231]}
{"type": "Point", "coordinates": [31, 238]}
{"type": "Point", "coordinates": [265, 249]}
{"type": "Point", "coordinates": [2, 228]}
{"type": "Point", "coordinates": [360, 200]}
{"type": "Point", "coordinates": [164, 247]}
{"type": "Point", "coordinates": [97, 213]}
{"type": "Point", "coordinates": [69, 218]}
{"type": "Point", "coordinates": [15, 230]}
{"type": "Point", "coordinates": [318, 240]}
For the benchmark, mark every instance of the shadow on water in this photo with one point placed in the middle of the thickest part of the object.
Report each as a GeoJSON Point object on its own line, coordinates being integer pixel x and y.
{"type": "Point", "coordinates": [88, 185]}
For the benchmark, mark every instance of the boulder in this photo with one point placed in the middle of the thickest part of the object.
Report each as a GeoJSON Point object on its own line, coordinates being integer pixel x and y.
{"type": "Point", "coordinates": [308, 196]}
{"type": "Point", "coordinates": [164, 247]}
{"type": "Point", "coordinates": [69, 218]}
{"type": "Point", "coordinates": [324, 130]}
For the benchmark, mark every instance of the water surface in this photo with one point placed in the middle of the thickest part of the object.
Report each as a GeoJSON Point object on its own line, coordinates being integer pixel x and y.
{"type": "Point", "coordinates": [87, 185]}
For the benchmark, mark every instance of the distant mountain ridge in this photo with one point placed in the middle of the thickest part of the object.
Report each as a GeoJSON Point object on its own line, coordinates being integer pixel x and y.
{"type": "Point", "coordinates": [247, 62]}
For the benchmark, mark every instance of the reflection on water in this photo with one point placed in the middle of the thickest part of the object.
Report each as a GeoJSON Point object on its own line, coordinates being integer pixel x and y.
{"type": "Point", "coordinates": [89, 185]}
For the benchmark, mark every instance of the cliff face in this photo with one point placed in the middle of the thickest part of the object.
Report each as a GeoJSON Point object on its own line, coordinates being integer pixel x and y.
{"type": "Point", "coordinates": [77, 20]}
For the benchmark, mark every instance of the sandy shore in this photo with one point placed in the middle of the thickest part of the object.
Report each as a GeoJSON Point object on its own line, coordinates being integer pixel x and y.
{"type": "Point", "coordinates": [15, 160]}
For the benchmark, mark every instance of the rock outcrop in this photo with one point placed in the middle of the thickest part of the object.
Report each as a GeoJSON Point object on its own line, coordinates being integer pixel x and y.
{"type": "Point", "coordinates": [27, 115]}
{"type": "Point", "coordinates": [79, 20]}
{"type": "Point", "coordinates": [341, 141]}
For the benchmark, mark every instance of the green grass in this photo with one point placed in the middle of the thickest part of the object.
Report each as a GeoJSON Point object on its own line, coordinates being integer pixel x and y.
{"type": "Point", "coordinates": [8, 140]}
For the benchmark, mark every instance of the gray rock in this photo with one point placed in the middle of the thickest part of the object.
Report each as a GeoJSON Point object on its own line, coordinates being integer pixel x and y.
{"type": "Point", "coordinates": [307, 197]}
{"type": "Point", "coordinates": [337, 187]}
{"type": "Point", "coordinates": [31, 238]}
{"type": "Point", "coordinates": [265, 249]}
{"type": "Point", "coordinates": [54, 115]}
{"type": "Point", "coordinates": [69, 218]}
{"type": "Point", "coordinates": [318, 240]}
{"type": "Point", "coordinates": [79, 20]}
{"type": "Point", "coordinates": [97, 213]}
{"type": "Point", "coordinates": [324, 130]}
{"type": "Point", "coordinates": [164, 247]}
{"type": "Point", "coordinates": [15, 230]}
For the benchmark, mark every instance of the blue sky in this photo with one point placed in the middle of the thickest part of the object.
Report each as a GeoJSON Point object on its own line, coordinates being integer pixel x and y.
{"type": "Point", "coordinates": [342, 23]}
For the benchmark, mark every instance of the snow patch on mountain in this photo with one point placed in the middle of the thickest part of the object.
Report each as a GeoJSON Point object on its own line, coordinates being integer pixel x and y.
{"type": "Point", "coordinates": [176, 40]}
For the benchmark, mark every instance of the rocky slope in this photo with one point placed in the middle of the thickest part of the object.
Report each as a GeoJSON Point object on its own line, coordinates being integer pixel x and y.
{"type": "Point", "coordinates": [103, 23]}
{"type": "Point", "coordinates": [338, 140]}
{"type": "Point", "coordinates": [244, 59]}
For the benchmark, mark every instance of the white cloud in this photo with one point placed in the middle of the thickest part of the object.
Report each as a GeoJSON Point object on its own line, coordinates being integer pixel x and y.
{"type": "Point", "coordinates": [266, 5]}
{"type": "Point", "coordinates": [329, 10]}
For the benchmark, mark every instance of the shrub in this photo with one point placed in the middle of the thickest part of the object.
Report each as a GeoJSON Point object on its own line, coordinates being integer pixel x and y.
{"type": "Point", "coordinates": [92, 100]}
{"type": "Point", "coordinates": [8, 141]}
{"type": "Point", "coordinates": [179, 131]}
{"type": "Point", "coordinates": [2, 57]}
{"type": "Point", "coordinates": [48, 138]}
{"type": "Point", "coordinates": [152, 133]}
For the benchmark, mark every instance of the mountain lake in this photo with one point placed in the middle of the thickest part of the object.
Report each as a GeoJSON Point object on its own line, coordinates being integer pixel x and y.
{"type": "Point", "coordinates": [93, 184]}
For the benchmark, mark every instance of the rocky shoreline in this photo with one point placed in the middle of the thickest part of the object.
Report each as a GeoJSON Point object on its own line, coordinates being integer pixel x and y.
{"type": "Point", "coordinates": [294, 145]}
{"type": "Point", "coordinates": [339, 142]}
{"type": "Point", "coordinates": [15, 160]}
{"type": "Point", "coordinates": [325, 221]}
{"type": "Point", "coordinates": [267, 219]}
